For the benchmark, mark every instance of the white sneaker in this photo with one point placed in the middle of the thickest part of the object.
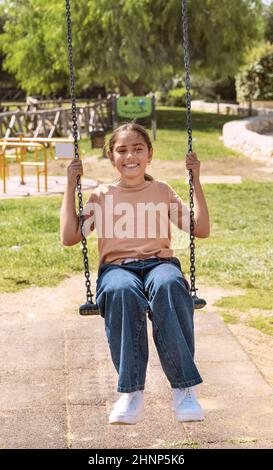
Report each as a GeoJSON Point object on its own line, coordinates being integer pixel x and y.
{"type": "Point", "coordinates": [186, 406]}
{"type": "Point", "coordinates": [129, 409]}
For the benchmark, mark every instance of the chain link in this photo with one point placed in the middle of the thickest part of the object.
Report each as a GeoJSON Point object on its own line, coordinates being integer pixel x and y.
{"type": "Point", "coordinates": [189, 130]}
{"type": "Point", "coordinates": [89, 295]}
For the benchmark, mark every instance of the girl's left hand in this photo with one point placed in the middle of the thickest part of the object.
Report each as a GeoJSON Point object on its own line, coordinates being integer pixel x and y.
{"type": "Point", "coordinates": [192, 163]}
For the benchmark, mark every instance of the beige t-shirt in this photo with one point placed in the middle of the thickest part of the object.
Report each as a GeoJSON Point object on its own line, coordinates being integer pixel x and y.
{"type": "Point", "coordinates": [134, 222]}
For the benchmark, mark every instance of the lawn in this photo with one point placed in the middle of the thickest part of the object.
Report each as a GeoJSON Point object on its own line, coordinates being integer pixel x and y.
{"type": "Point", "coordinates": [207, 128]}
{"type": "Point", "coordinates": [171, 142]}
{"type": "Point", "coordinates": [238, 253]}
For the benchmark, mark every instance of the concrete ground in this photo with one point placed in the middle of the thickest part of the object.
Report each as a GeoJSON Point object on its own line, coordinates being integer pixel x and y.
{"type": "Point", "coordinates": [56, 185]}
{"type": "Point", "coordinates": [58, 384]}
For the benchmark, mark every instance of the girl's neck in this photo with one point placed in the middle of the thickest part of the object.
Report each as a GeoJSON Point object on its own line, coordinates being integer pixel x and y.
{"type": "Point", "coordinates": [131, 183]}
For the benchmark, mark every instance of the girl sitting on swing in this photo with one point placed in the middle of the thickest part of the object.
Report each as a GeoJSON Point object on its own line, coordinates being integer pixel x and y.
{"type": "Point", "coordinates": [138, 272]}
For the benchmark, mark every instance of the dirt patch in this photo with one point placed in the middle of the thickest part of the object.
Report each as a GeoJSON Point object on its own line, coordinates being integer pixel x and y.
{"type": "Point", "coordinates": [102, 170]}
{"type": "Point", "coordinates": [258, 346]}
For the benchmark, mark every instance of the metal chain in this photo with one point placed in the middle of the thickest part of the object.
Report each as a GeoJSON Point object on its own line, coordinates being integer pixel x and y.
{"type": "Point", "coordinates": [189, 129]}
{"type": "Point", "coordinates": [76, 150]}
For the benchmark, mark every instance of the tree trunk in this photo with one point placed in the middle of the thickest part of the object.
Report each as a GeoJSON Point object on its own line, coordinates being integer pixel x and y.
{"type": "Point", "coordinates": [127, 86]}
{"type": "Point", "coordinates": [138, 87]}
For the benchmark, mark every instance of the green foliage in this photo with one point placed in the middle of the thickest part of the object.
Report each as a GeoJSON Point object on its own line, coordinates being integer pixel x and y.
{"type": "Point", "coordinates": [6, 80]}
{"type": "Point", "coordinates": [177, 97]}
{"type": "Point", "coordinates": [34, 45]}
{"type": "Point", "coordinates": [130, 45]}
{"type": "Point", "coordinates": [255, 81]}
{"type": "Point", "coordinates": [269, 23]}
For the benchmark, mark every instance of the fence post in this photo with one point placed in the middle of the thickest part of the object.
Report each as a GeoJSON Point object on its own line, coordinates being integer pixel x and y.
{"type": "Point", "coordinates": [114, 112]}
{"type": "Point", "coordinates": [64, 121]}
{"type": "Point", "coordinates": [153, 116]}
{"type": "Point", "coordinates": [218, 104]}
{"type": "Point", "coordinates": [250, 106]}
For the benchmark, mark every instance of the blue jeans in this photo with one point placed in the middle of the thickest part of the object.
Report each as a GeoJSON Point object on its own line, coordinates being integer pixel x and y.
{"type": "Point", "coordinates": [124, 294]}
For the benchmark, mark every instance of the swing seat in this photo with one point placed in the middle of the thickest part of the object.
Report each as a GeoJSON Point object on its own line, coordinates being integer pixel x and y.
{"type": "Point", "coordinates": [198, 303]}
{"type": "Point", "coordinates": [89, 309]}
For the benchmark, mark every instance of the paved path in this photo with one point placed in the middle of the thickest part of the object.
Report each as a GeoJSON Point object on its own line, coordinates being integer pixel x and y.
{"type": "Point", "coordinates": [58, 384]}
{"type": "Point", "coordinates": [56, 185]}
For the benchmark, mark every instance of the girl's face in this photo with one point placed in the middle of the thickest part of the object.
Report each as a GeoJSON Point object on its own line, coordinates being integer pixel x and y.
{"type": "Point", "coordinates": [131, 156]}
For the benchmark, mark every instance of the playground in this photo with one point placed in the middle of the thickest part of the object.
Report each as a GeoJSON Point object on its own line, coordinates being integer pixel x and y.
{"type": "Point", "coordinates": [39, 318]}
{"type": "Point", "coordinates": [58, 383]}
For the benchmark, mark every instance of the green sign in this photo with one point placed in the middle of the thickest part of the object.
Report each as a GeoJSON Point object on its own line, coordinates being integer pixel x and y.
{"type": "Point", "coordinates": [134, 107]}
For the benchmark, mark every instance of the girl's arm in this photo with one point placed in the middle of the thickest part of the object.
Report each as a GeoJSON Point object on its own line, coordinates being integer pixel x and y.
{"type": "Point", "coordinates": [201, 213]}
{"type": "Point", "coordinates": [70, 231]}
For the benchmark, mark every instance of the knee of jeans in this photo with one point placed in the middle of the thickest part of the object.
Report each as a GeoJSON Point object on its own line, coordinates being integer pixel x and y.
{"type": "Point", "coordinates": [119, 289]}
{"type": "Point", "coordinates": [168, 281]}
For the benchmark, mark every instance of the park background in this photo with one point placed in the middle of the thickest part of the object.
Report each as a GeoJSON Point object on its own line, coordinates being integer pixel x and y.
{"type": "Point", "coordinates": [134, 48]}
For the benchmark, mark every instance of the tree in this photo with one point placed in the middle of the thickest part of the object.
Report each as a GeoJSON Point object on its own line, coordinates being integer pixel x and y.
{"type": "Point", "coordinates": [6, 80]}
{"type": "Point", "coordinates": [255, 80]}
{"type": "Point", "coordinates": [269, 23]}
{"type": "Point", "coordinates": [128, 45]}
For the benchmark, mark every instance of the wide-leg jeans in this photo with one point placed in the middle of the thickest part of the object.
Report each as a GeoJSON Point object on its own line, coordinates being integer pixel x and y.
{"type": "Point", "coordinates": [125, 294]}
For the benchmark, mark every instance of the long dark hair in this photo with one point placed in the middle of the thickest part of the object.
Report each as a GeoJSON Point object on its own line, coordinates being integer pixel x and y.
{"type": "Point", "coordinates": [131, 127]}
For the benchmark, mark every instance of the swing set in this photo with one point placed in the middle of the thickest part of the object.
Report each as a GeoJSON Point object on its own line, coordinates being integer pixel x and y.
{"type": "Point", "coordinates": [90, 308]}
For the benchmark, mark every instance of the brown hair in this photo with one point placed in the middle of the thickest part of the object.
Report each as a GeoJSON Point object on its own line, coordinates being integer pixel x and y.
{"type": "Point", "coordinates": [133, 127]}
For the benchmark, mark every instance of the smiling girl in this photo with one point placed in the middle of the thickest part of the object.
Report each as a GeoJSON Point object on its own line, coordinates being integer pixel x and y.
{"type": "Point", "coordinates": [138, 272]}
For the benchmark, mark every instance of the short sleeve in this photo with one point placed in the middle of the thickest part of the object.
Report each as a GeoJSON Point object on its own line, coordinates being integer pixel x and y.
{"type": "Point", "coordinates": [179, 212]}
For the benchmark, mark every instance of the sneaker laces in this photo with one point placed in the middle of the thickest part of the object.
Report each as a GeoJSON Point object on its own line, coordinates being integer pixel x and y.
{"type": "Point", "coordinates": [126, 398]}
{"type": "Point", "coordinates": [189, 395]}
{"type": "Point", "coordinates": [183, 395]}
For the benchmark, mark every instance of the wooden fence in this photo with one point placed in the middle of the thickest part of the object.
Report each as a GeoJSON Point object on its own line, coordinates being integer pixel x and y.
{"type": "Point", "coordinates": [31, 121]}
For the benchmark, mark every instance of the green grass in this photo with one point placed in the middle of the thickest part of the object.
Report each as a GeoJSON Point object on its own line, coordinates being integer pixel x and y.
{"type": "Point", "coordinates": [188, 444]}
{"type": "Point", "coordinates": [262, 323]}
{"type": "Point", "coordinates": [171, 143]}
{"type": "Point", "coordinates": [30, 250]}
{"type": "Point", "coordinates": [253, 298]}
{"type": "Point", "coordinates": [87, 150]}
{"type": "Point", "coordinates": [244, 440]}
{"type": "Point", "coordinates": [237, 254]}
{"type": "Point", "coordinates": [229, 317]}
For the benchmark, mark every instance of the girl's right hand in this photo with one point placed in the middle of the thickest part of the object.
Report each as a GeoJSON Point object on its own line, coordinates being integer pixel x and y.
{"type": "Point", "coordinates": [74, 169]}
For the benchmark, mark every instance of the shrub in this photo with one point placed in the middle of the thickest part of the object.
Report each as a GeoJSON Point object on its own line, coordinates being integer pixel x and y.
{"type": "Point", "coordinates": [255, 81]}
{"type": "Point", "coordinates": [177, 97]}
